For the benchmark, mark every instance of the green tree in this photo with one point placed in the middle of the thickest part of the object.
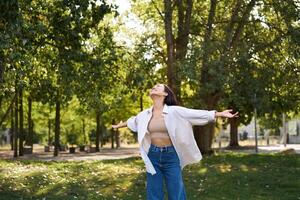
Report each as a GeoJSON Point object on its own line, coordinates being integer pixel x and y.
{"type": "Point", "coordinates": [69, 25]}
{"type": "Point", "coordinates": [97, 76]}
{"type": "Point", "coordinates": [224, 40]}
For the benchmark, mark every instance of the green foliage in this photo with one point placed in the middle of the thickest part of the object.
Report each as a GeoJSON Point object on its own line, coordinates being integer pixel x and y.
{"type": "Point", "coordinates": [72, 137]}
{"type": "Point", "coordinates": [70, 51]}
{"type": "Point", "coordinates": [45, 45]}
{"type": "Point", "coordinates": [92, 136]}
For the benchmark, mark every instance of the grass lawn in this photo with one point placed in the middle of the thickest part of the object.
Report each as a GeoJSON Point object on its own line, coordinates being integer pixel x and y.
{"type": "Point", "coordinates": [224, 176]}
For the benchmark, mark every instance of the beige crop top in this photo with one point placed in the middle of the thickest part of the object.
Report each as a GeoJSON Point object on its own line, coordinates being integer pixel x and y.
{"type": "Point", "coordinates": [157, 128]}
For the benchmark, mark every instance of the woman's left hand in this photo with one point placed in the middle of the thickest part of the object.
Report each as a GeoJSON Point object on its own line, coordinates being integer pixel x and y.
{"type": "Point", "coordinates": [227, 114]}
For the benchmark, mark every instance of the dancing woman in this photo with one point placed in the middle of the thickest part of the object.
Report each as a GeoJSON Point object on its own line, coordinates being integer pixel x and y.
{"type": "Point", "coordinates": [166, 140]}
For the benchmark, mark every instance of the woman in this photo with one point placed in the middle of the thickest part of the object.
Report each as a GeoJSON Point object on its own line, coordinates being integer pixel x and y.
{"type": "Point", "coordinates": [167, 142]}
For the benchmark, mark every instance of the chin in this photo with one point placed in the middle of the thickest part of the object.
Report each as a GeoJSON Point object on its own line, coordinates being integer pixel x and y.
{"type": "Point", "coordinates": [152, 94]}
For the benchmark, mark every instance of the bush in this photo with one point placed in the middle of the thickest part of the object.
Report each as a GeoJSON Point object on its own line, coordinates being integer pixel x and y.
{"type": "Point", "coordinates": [72, 138]}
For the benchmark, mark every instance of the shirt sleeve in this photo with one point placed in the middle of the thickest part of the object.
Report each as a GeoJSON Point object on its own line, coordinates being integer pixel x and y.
{"type": "Point", "coordinates": [195, 116]}
{"type": "Point", "coordinates": [132, 123]}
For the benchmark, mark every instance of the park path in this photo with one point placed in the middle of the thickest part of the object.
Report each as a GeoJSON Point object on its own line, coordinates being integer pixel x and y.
{"type": "Point", "coordinates": [275, 148]}
{"type": "Point", "coordinates": [104, 154]}
{"type": "Point", "coordinates": [124, 152]}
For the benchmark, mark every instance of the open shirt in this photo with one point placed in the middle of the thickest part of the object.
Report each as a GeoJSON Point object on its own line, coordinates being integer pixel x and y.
{"type": "Point", "coordinates": [179, 121]}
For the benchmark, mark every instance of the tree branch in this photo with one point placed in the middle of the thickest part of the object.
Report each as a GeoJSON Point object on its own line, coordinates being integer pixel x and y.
{"type": "Point", "coordinates": [242, 24]}
{"type": "Point", "coordinates": [230, 27]}
{"type": "Point", "coordinates": [184, 21]}
{"type": "Point", "coordinates": [7, 111]}
{"type": "Point", "coordinates": [205, 77]}
{"type": "Point", "coordinates": [157, 9]}
{"type": "Point", "coordinates": [208, 32]}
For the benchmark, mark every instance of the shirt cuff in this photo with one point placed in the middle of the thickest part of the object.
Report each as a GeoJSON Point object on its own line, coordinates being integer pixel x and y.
{"type": "Point", "coordinates": [213, 116]}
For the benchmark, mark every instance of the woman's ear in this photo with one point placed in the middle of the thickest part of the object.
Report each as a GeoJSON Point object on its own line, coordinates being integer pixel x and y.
{"type": "Point", "coordinates": [165, 94]}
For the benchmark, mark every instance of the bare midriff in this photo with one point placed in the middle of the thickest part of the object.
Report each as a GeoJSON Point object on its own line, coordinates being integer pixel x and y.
{"type": "Point", "coordinates": [158, 132]}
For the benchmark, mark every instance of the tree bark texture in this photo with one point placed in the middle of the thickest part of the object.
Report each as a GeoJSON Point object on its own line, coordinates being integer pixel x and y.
{"type": "Point", "coordinates": [57, 128]}
{"type": "Point", "coordinates": [98, 130]}
{"type": "Point", "coordinates": [21, 130]}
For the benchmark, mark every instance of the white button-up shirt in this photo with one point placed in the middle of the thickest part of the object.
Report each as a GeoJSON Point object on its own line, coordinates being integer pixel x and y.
{"type": "Point", "coordinates": [179, 121]}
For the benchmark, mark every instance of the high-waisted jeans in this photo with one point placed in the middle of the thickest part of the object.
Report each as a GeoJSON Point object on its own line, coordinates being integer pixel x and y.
{"type": "Point", "coordinates": [166, 163]}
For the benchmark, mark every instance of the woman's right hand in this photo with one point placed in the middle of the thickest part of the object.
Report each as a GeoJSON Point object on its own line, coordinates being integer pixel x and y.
{"type": "Point", "coordinates": [116, 126]}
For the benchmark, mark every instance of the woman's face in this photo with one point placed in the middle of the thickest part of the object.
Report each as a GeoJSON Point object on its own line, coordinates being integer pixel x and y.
{"type": "Point", "coordinates": [158, 90]}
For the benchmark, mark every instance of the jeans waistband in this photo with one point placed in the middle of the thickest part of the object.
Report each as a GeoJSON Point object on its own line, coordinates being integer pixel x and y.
{"type": "Point", "coordinates": [161, 149]}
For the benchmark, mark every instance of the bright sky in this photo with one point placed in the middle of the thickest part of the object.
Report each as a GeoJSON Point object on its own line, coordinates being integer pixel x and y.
{"type": "Point", "coordinates": [130, 25]}
{"type": "Point", "coordinates": [124, 5]}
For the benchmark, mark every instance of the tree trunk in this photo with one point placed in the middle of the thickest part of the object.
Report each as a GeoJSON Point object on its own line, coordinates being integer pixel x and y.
{"type": "Point", "coordinates": [30, 130]}
{"type": "Point", "coordinates": [98, 131]}
{"type": "Point", "coordinates": [2, 69]}
{"type": "Point", "coordinates": [234, 132]}
{"type": "Point", "coordinates": [177, 48]}
{"type": "Point", "coordinates": [21, 131]}
{"type": "Point", "coordinates": [113, 138]}
{"type": "Point", "coordinates": [16, 123]}
{"type": "Point", "coordinates": [49, 132]}
{"type": "Point", "coordinates": [205, 75]}
{"type": "Point", "coordinates": [12, 128]}
{"type": "Point", "coordinates": [113, 135]}
{"type": "Point", "coordinates": [83, 131]}
{"type": "Point", "coordinates": [135, 134]}
{"type": "Point", "coordinates": [176, 52]}
{"type": "Point", "coordinates": [183, 31]}
{"type": "Point", "coordinates": [204, 137]}
{"type": "Point", "coordinates": [204, 134]}
{"type": "Point", "coordinates": [141, 101]}
{"type": "Point", "coordinates": [57, 128]}
{"type": "Point", "coordinates": [171, 62]}
{"type": "Point", "coordinates": [101, 135]}
{"type": "Point", "coordinates": [230, 27]}
{"type": "Point", "coordinates": [12, 103]}
{"type": "Point", "coordinates": [211, 97]}
{"type": "Point", "coordinates": [118, 143]}
{"type": "Point", "coordinates": [241, 25]}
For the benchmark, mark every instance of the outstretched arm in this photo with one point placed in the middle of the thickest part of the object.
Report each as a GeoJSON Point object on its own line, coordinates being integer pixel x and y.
{"type": "Point", "coordinates": [131, 123]}
{"type": "Point", "coordinates": [119, 125]}
{"type": "Point", "coordinates": [202, 117]}
{"type": "Point", "coordinates": [226, 114]}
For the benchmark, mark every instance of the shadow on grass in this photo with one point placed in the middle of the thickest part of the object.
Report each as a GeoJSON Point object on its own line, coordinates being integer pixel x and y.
{"type": "Point", "coordinates": [110, 179]}
{"type": "Point", "coordinates": [244, 176]}
{"type": "Point", "coordinates": [224, 176]}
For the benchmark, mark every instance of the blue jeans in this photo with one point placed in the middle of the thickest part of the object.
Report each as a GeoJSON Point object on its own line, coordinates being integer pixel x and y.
{"type": "Point", "coordinates": [166, 163]}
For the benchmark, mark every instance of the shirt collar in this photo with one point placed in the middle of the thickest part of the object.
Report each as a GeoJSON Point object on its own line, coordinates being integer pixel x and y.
{"type": "Point", "coordinates": [165, 109]}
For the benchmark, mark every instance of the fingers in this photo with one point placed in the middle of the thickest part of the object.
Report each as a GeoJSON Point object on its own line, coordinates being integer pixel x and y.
{"type": "Point", "coordinates": [232, 115]}
{"type": "Point", "coordinates": [114, 126]}
{"type": "Point", "coordinates": [230, 110]}
{"type": "Point", "coordinates": [236, 114]}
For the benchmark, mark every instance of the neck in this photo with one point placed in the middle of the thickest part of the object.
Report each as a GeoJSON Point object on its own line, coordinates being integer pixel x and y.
{"type": "Point", "coordinates": [158, 104]}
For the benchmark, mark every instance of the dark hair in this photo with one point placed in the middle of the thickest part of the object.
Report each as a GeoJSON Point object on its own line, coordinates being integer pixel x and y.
{"type": "Point", "coordinates": [170, 100]}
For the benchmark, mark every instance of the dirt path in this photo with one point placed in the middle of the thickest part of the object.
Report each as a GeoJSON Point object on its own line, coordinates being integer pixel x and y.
{"type": "Point", "coordinates": [107, 153]}
{"type": "Point", "coordinates": [104, 154]}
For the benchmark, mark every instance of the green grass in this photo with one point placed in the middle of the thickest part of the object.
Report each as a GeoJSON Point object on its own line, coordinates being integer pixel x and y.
{"type": "Point", "coordinates": [224, 176]}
